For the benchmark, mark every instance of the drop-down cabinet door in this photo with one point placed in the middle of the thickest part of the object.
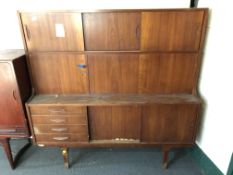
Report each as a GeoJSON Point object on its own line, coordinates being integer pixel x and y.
{"type": "Point", "coordinates": [53, 31]}
{"type": "Point", "coordinates": [112, 30]}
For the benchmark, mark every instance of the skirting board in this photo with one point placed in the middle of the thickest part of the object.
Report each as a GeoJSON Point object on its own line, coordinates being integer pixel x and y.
{"type": "Point", "coordinates": [230, 168]}
{"type": "Point", "coordinates": [206, 165]}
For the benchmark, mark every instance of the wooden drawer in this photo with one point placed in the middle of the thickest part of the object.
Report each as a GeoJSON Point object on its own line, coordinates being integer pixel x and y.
{"type": "Point", "coordinates": [61, 138]}
{"type": "Point", "coordinates": [57, 110]}
{"type": "Point", "coordinates": [76, 129]}
{"type": "Point", "coordinates": [56, 119]}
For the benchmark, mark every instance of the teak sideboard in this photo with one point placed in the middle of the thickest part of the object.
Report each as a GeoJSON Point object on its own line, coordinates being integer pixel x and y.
{"type": "Point", "coordinates": [114, 78]}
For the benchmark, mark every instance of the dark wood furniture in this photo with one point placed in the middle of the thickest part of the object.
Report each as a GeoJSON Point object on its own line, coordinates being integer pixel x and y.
{"type": "Point", "coordinates": [114, 78]}
{"type": "Point", "coordinates": [15, 90]}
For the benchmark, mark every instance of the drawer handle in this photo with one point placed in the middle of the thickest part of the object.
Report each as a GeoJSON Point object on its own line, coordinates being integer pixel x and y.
{"type": "Point", "coordinates": [60, 138]}
{"type": "Point", "coordinates": [57, 120]}
{"type": "Point", "coordinates": [59, 129]}
{"type": "Point", "coordinates": [7, 130]}
{"type": "Point", "coordinates": [57, 110]}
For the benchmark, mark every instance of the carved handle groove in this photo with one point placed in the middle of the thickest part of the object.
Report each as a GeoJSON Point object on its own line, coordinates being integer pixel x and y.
{"type": "Point", "coordinates": [13, 94]}
{"type": "Point", "coordinates": [57, 110]}
{"type": "Point", "coordinates": [59, 129]}
{"type": "Point", "coordinates": [57, 120]}
{"type": "Point", "coordinates": [60, 138]}
{"type": "Point", "coordinates": [28, 32]}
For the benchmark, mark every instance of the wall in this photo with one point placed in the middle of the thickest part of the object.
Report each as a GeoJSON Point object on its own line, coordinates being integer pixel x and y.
{"type": "Point", "coordinates": [10, 36]}
{"type": "Point", "coordinates": [216, 85]}
{"type": "Point", "coordinates": [216, 81]}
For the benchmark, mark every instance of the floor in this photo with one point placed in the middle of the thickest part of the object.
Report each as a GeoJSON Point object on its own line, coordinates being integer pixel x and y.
{"type": "Point", "coordinates": [48, 161]}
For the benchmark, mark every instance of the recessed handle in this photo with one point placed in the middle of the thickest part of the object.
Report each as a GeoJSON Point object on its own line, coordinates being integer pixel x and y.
{"type": "Point", "coordinates": [137, 32]}
{"type": "Point", "coordinates": [60, 138]}
{"type": "Point", "coordinates": [58, 120]}
{"type": "Point", "coordinates": [59, 129]}
{"type": "Point", "coordinates": [13, 94]}
{"type": "Point", "coordinates": [27, 32]}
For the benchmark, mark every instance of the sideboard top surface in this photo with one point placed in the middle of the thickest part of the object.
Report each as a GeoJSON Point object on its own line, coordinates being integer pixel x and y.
{"type": "Point", "coordinates": [113, 99]}
{"type": "Point", "coordinates": [11, 54]}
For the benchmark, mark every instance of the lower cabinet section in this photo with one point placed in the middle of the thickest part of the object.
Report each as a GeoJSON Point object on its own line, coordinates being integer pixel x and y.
{"type": "Point", "coordinates": [166, 123]}
{"type": "Point", "coordinates": [151, 123]}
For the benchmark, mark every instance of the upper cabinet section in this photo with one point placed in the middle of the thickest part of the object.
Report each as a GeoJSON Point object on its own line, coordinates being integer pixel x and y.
{"type": "Point", "coordinates": [53, 31]}
{"type": "Point", "coordinates": [112, 31]}
{"type": "Point", "coordinates": [171, 30]}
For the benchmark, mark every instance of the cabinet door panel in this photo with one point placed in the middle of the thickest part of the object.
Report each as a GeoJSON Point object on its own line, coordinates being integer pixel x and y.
{"type": "Point", "coordinates": [112, 31]}
{"type": "Point", "coordinates": [169, 123]}
{"type": "Point", "coordinates": [59, 73]}
{"type": "Point", "coordinates": [73, 73]}
{"type": "Point", "coordinates": [10, 113]}
{"type": "Point", "coordinates": [53, 31]}
{"type": "Point", "coordinates": [167, 73]}
{"type": "Point", "coordinates": [108, 123]}
{"type": "Point", "coordinates": [113, 73]}
{"type": "Point", "coordinates": [171, 30]}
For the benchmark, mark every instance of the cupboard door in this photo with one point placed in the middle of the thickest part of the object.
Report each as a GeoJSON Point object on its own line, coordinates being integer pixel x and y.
{"type": "Point", "coordinates": [53, 31]}
{"type": "Point", "coordinates": [171, 30]}
{"type": "Point", "coordinates": [169, 123]}
{"type": "Point", "coordinates": [113, 73]}
{"type": "Point", "coordinates": [107, 123]}
{"type": "Point", "coordinates": [59, 73]}
{"type": "Point", "coordinates": [167, 73]}
{"type": "Point", "coordinates": [112, 31]}
{"type": "Point", "coordinates": [11, 114]}
{"type": "Point", "coordinates": [73, 73]}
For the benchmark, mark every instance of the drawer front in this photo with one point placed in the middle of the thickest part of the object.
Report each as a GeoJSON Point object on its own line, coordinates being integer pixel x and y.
{"type": "Point", "coordinates": [57, 110]}
{"type": "Point", "coordinates": [61, 138]}
{"type": "Point", "coordinates": [76, 129]}
{"type": "Point", "coordinates": [78, 120]}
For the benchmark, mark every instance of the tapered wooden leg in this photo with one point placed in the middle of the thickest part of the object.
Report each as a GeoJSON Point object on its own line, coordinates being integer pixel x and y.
{"type": "Point", "coordinates": [165, 157]}
{"type": "Point", "coordinates": [5, 142]}
{"type": "Point", "coordinates": [65, 154]}
{"type": "Point", "coordinates": [6, 145]}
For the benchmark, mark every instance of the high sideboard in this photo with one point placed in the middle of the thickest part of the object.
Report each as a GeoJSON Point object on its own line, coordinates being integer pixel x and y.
{"type": "Point", "coordinates": [114, 78]}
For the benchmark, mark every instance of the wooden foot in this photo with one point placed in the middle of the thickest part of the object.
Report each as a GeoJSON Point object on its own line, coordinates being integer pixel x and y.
{"type": "Point", "coordinates": [165, 157]}
{"type": "Point", "coordinates": [65, 154]}
{"type": "Point", "coordinates": [5, 142]}
{"type": "Point", "coordinates": [6, 145]}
